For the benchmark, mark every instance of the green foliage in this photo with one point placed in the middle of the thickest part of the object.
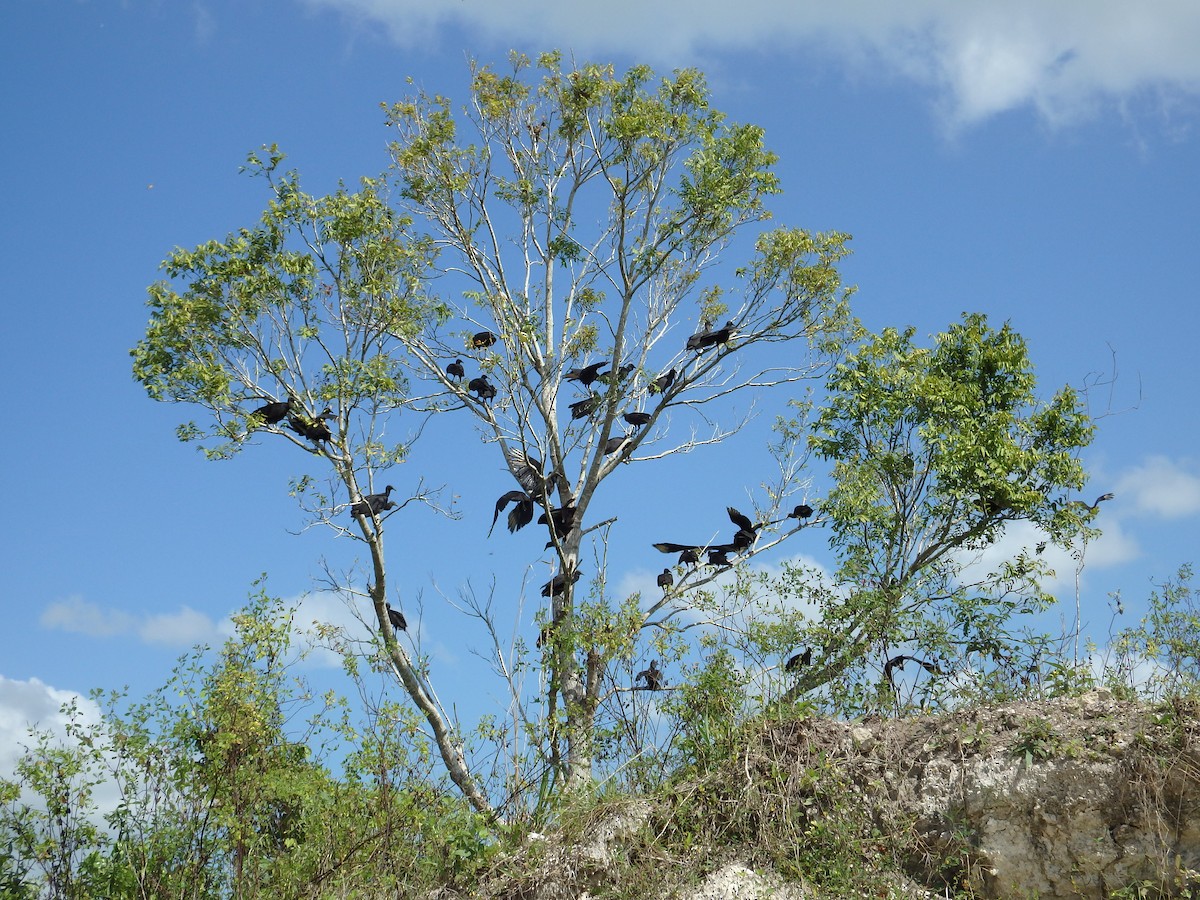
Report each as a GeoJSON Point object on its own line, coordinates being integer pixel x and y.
{"type": "Point", "coordinates": [1159, 658]}
{"type": "Point", "coordinates": [224, 791]}
{"type": "Point", "coordinates": [934, 451]}
{"type": "Point", "coordinates": [301, 306]}
{"type": "Point", "coordinates": [1038, 740]}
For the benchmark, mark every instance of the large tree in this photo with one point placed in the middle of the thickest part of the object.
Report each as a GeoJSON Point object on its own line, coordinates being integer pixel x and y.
{"type": "Point", "coordinates": [582, 215]}
{"type": "Point", "coordinates": [555, 258]}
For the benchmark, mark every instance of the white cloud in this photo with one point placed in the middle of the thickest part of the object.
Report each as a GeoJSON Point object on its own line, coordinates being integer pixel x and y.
{"type": "Point", "coordinates": [1114, 547]}
{"type": "Point", "coordinates": [33, 704]}
{"type": "Point", "coordinates": [182, 628]}
{"type": "Point", "coordinates": [205, 23]}
{"type": "Point", "coordinates": [78, 616]}
{"type": "Point", "coordinates": [1161, 487]}
{"type": "Point", "coordinates": [185, 627]}
{"type": "Point", "coordinates": [1059, 57]}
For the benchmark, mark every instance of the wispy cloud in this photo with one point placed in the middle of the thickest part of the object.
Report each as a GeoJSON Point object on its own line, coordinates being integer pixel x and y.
{"type": "Point", "coordinates": [1061, 58]}
{"type": "Point", "coordinates": [205, 23]}
{"type": "Point", "coordinates": [185, 627]}
{"type": "Point", "coordinates": [181, 628]}
{"type": "Point", "coordinates": [1161, 487]}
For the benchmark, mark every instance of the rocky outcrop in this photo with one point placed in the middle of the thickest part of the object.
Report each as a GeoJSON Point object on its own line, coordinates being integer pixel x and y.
{"type": "Point", "coordinates": [1074, 798]}
{"type": "Point", "coordinates": [1084, 797]}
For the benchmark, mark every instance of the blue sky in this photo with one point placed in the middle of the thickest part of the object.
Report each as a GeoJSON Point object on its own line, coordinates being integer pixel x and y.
{"type": "Point", "coordinates": [1040, 164]}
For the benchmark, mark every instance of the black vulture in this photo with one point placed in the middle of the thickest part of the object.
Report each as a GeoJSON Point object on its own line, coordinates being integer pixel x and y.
{"type": "Point", "coordinates": [397, 619]}
{"type": "Point", "coordinates": [897, 662]}
{"type": "Point", "coordinates": [637, 419]}
{"type": "Point", "coordinates": [581, 409]}
{"type": "Point", "coordinates": [718, 557]}
{"type": "Point", "coordinates": [618, 376]}
{"type": "Point", "coordinates": [519, 516]}
{"type": "Point", "coordinates": [669, 547]}
{"type": "Point", "coordinates": [483, 388]}
{"type": "Point", "coordinates": [527, 470]}
{"type": "Point", "coordinates": [559, 520]}
{"type": "Point", "coordinates": [801, 512]}
{"type": "Point", "coordinates": [653, 677]}
{"type": "Point", "coordinates": [274, 412]}
{"type": "Point", "coordinates": [741, 520]}
{"type": "Point", "coordinates": [482, 339]}
{"type": "Point", "coordinates": [373, 504]}
{"type": "Point", "coordinates": [696, 341]}
{"type": "Point", "coordinates": [660, 384]}
{"type": "Point", "coordinates": [456, 371]}
{"type": "Point", "coordinates": [587, 374]}
{"type": "Point", "coordinates": [613, 444]}
{"type": "Point", "coordinates": [690, 556]}
{"type": "Point", "coordinates": [747, 531]}
{"type": "Point", "coordinates": [314, 429]}
{"type": "Point", "coordinates": [742, 540]}
{"type": "Point", "coordinates": [800, 659]}
{"type": "Point", "coordinates": [558, 584]}
{"type": "Point", "coordinates": [718, 336]}
{"type": "Point", "coordinates": [666, 579]}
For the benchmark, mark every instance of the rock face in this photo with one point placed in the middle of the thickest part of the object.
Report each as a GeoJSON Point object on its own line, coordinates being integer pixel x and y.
{"type": "Point", "coordinates": [1075, 798]}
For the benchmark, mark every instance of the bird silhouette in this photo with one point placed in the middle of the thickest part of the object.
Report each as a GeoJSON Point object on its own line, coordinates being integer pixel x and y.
{"type": "Point", "coordinates": [660, 384]}
{"type": "Point", "coordinates": [617, 376]}
{"type": "Point", "coordinates": [653, 677]}
{"type": "Point", "coordinates": [897, 662]}
{"type": "Point", "coordinates": [581, 409]}
{"type": "Point", "coordinates": [669, 547]}
{"type": "Point", "coordinates": [482, 339]}
{"type": "Point", "coordinates": [798, 661]}
{"type": "Point", "coordinates": [587, 374]}
{"type": "Point", "coordinates": [274, 412]}
{"type": "Point", "coordinates": [527, 470]}
{"type": "Point", "coordinates": [558, 584]}
{"type": "Point", "coordinates": [743, 539]}
{"type": "Point", "coordinates": [637, 419]}
{"type": "Point", "coordinates": [747, 532]}
{"type": "Point", "coordinates": [613, 444]}
{"type": "Point", "coordinates": [696, 341]}
{"type": "Point", "coordinates": [559, 520]}
{"type": "Point", "coordinates": [314, 429]}
{"type": "Point", "coordinates": [1092, 507]}
{"type": "Point", "coordinates": [801, 512]}
{"type": "Point", "coordinates": [456, 371]}
{"type": "Point", "coordinates": [484, 389]}
{"type": "Point", "coordinates": [373, 504]}
{"type": "Point", "coordinates": [519, 516]}
{"type": "Point", "coordinates": [718, 336]}
{"type": "Point", "coordinates": [665, 580]}
{"type": "Point", "coordinates": [690, 556]}
{"type": "Point", "coordinates": [397, 619]}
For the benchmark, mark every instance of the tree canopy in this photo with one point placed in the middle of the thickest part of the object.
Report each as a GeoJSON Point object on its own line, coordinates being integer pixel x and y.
{"type": "Point", "coordinates": [581, 260]}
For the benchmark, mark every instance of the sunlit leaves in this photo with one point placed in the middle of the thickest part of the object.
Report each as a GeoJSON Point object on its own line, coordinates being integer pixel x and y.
{"type": "Point", "coordinates": [308, 304]}
{"type": "Point", "coordinates": [934, 449]}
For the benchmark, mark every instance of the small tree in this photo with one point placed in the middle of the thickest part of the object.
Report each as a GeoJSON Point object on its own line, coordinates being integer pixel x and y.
{"type": "Point", "coordinates": [1160, 656]}
{"type": "Point", "coordinates": [293, 328]}
{"type": "Point", "coordinates": [935, 451]}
